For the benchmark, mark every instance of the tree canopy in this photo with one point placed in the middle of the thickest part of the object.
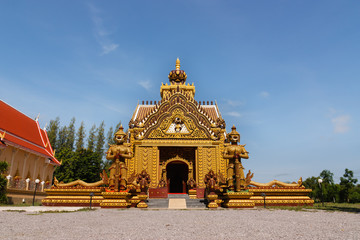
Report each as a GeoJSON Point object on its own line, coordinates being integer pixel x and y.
{"type": "Point", "coordinates": [78, 161]}
{"type": "Point", "coordinates": [328, 191]}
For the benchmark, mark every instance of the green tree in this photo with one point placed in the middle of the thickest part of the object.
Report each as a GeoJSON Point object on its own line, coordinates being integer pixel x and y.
{"type": "Point", "coordinates": [347, 182]}
{"type": "Point", "coordinates": [312, 183]}
{"type": "Point", "coordinates": [91, 138]}
{"type": "Point", "coordinates": [83, 164]}
{"type": "Point", "coordinates": [3, 182]}
{"type": "Point", "coordinates": [327, 176]}
{"type": "Point", "coordinates": [88, 165]}
{"type": "Point", "coordinates": [330, 190]}
{"type": "Point", "coordinates": [70, 134]}
{"type": "Point", "coordinates": [100, 140]}
{"type": "Point", "coordinates": [52, 131]}
{"type": "Point", "coordinates": [66, 172]}
{"type": "Point", "coordinates": [354, 194]}
{"type": "Point", "coordinates": [80, 137]}
{"type": "Point", "coordinates": [62, 138]}
{"type": "Point", "coordinates": [110, 136]}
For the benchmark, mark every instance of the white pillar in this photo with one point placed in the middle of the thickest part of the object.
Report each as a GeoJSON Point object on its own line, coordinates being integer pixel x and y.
{"type": "Point", "coordinates": [36, 161]}
{"type": "Point", "coordinates": [14, 152]}
{"type": "Point", "coordinates": [27, 155]}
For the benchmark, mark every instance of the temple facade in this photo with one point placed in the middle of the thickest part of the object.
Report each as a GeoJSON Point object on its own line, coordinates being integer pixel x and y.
{"type": "Point", "coordinates": [177, 139]}
{"type": "Point", "coordinates": [177, 145]}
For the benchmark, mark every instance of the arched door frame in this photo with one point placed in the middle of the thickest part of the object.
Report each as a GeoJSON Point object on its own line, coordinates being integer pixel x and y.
{"type": "Point", "coordinates": [179, 160]}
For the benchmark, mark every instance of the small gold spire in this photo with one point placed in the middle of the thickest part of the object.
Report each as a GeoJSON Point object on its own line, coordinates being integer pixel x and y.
{"type": "Point", "coordinates": [177, 65]}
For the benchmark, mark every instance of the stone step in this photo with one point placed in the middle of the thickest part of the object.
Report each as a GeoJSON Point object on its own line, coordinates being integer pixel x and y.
{"type": "Point", "coordinates": [164, 203]}
{"type": "Point", "coordinates": [158, 203]}
{"type": "Point", "coordinates": [179, 195]}
{"type": "Point", "coordinates": [177, 203]}
{"type": "Point", "coordinates": [195, 203]}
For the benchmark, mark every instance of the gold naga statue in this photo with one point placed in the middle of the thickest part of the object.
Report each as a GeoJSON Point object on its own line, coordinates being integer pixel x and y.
{"type": "Point", "coordinates": [234, 153]}
{"type": "Point", "coordinates": [118, 153]}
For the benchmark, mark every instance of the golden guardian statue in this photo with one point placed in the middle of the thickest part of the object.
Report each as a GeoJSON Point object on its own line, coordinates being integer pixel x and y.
{"type": "Point", "coordinates": [235, 153]}
{"type": "Point", "coordinates": [118, 153]}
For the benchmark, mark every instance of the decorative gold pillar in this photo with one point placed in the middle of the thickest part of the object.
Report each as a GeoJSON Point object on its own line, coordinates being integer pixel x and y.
{"type": "Point", "coordinates": [154, 167]}
{"type": "Point", "coordinates": [220, 156]}
{"type": "Point", "coordinates": [200, 167]}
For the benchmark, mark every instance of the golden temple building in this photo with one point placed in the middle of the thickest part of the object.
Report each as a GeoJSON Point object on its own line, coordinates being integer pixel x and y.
{"type": "Point", "coordinates": [177, 145]}
{"type": "Point", "coordinates": [177, 139]}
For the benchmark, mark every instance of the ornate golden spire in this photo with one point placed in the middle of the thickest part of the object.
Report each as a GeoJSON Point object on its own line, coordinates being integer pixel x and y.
{"type": "Point", "coordinates": [177, 76]}
{"type": "Point", "coordinates": [177, 65]}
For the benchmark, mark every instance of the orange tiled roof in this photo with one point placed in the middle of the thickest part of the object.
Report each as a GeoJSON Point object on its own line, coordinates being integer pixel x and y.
{"type": "Point", "coordinates": [23, 132]}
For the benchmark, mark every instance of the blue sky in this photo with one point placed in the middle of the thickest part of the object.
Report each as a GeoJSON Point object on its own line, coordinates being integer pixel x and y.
{"type": "Point", "coordinates": [285, 73]}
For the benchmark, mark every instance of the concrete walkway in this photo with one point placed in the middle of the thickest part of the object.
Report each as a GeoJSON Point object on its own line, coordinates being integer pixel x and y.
{"type": "Point", "coordinates": [177, 203]}
{"type": "Point", "coordinates": [38, 208]}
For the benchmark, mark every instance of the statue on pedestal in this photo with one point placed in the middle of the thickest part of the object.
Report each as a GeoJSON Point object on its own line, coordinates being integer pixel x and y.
{"type": "Point", "coordinates": [234, 153]}
{"type": "Point", "coordinates": [118, 153]}
{"type": "Point", "coordinates": [143, 179]}
{"type": "Point", "coordinates": [211, 182]}
{"type": "Point", "coordinates": [162, 182]}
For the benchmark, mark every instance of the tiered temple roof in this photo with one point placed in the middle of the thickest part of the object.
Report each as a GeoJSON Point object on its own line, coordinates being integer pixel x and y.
{"type": "Point", "coordinates": [20, 131]}
{"type": "Point", "coordinates": [177, 94]}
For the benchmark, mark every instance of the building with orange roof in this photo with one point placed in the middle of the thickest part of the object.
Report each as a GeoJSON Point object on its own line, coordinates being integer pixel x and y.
{"type": "Point", "coordinates": [27, 150]}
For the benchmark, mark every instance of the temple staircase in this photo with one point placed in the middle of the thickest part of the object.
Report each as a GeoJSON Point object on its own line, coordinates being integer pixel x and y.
{"type": "Point", "coordinates": [176, 201]}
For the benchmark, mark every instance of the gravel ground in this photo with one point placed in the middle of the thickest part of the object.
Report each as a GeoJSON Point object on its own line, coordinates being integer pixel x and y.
{"type": "Point", "coordinates": [180, 224]}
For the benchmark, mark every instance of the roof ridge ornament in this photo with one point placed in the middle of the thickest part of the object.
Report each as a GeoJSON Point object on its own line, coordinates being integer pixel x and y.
{"type": "Point", "coordinates": [177, 76]}
{"type": "Point", "coordinates": [177, 65]}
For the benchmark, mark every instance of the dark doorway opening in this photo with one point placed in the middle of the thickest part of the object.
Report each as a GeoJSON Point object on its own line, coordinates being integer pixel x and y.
{"type": "Point", "coordinates": [177, 176]}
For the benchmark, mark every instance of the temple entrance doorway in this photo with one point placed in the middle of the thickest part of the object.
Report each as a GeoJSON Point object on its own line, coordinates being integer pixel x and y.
{"type": "Point", "coordinates": [177, 176]}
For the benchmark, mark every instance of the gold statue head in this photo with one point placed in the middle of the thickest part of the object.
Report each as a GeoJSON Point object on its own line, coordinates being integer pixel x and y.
{"type": "Point", "coordinates": [233, 136]}
{"type": "Point", "coordinates": [120, 135]}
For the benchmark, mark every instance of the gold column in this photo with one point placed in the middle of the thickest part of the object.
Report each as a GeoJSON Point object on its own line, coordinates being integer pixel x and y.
{"type": "Point", "coordinates": [223, 162]}
{"type": "Point", "coordinates": [154, 167]}
{"type": "Point", "coordinates": [200, 167]}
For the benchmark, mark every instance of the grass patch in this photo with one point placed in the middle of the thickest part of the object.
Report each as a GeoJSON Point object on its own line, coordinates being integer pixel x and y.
{"type": "Point", "coordinates": [11, 210]}
{"type": "Point", "coordinates": [86, 209]}
{"type": "Point", "coordinates": [21, 204]}
{"type": "Point", "coordinates": [290, 208]}
{"type": "Point", "coordinates": [340, 207]}
{"type": "Point", "coordinates": [66, 211]}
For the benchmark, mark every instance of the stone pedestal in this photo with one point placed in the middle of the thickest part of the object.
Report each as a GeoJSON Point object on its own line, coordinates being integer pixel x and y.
{"type": "Point", "coordinates": [238, 200]}
{"type": "Point", "coordinates": [115, 200]}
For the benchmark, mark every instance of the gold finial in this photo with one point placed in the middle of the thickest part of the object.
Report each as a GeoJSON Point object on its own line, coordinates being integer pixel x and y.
{"type": "Point", "coordinates": [177, 65]}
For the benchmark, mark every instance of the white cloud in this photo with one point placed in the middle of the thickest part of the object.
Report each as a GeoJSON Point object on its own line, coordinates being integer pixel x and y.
{"type": "Point", "coordinates": [341, 123]}
{"type": "Point", "coordinates": [264, 94]}
{"type": "Point", "coordinates": [234, 114]}
{"type": "Point", "coordinates": [145, 84]}
{"type": "Point", "coordinates": [101, 34]}
{"type": "Point", "coordinates": [234, 103]}
{"type": "Point", "coordinates": [109, 48]}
